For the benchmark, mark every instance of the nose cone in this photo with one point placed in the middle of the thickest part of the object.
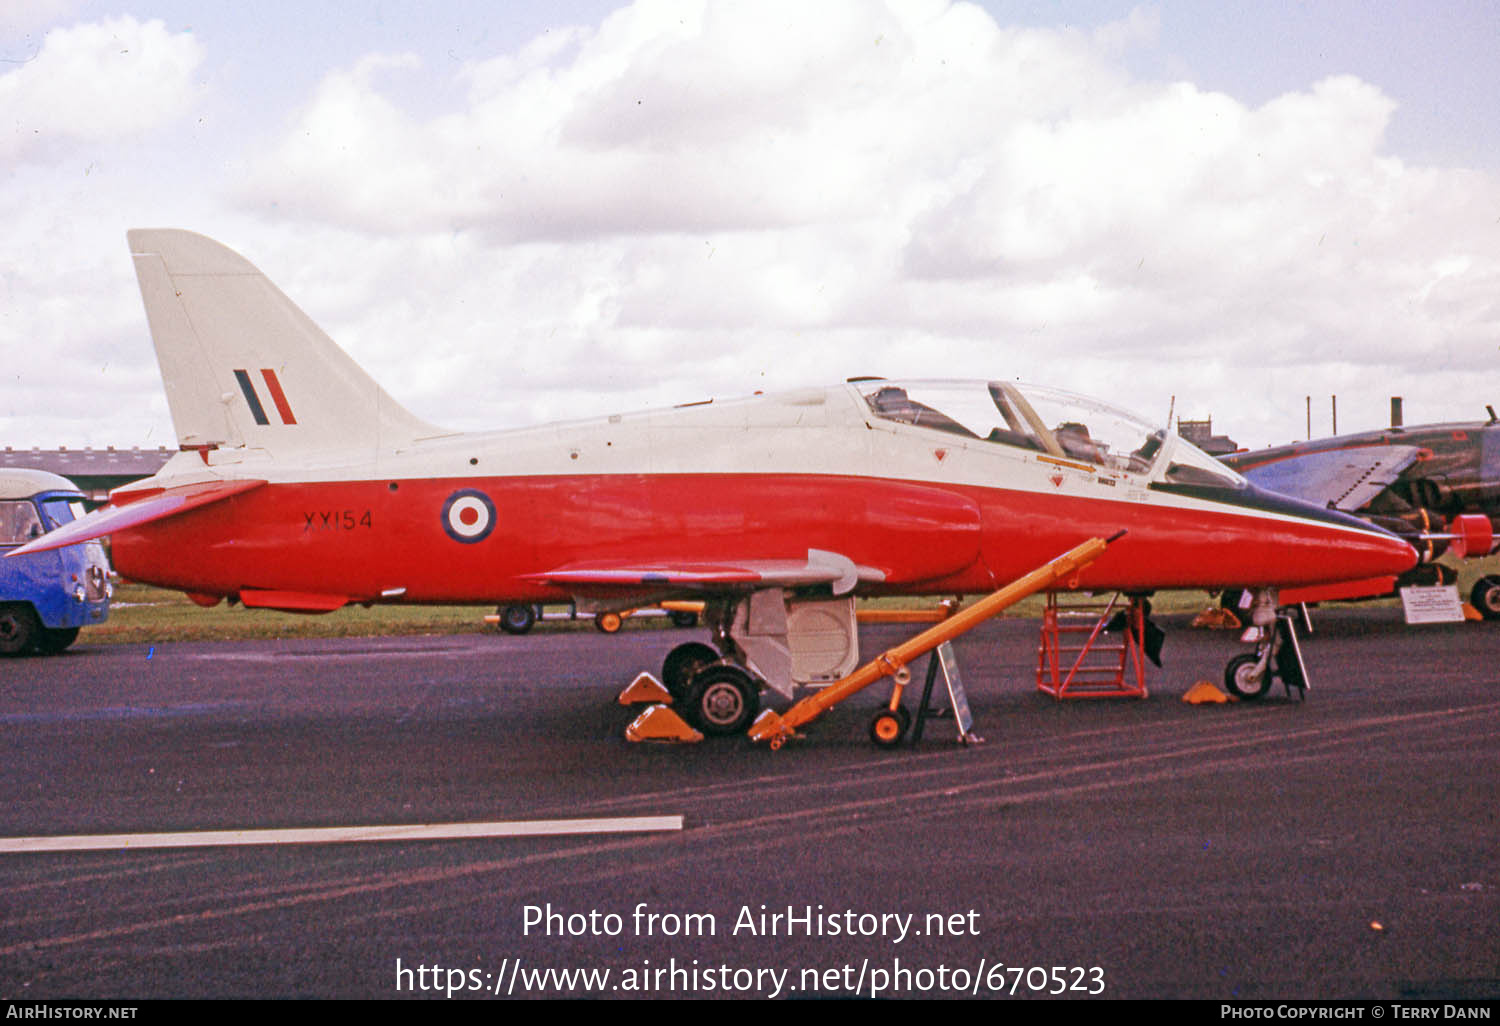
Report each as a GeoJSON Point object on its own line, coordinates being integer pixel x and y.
{"type": "Point", "coordinates": [1313, 545]}
{"type": "Point", "coordinates": [1243, 536]}
{"type": "Point", "coordinates": [1378, 553]}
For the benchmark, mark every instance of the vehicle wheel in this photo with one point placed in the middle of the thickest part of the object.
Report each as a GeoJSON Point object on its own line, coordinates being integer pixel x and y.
{"type": "Point", "coordinates": [53, 640]}
{"type": "Point", "coordinates": [517, 619]}
{"type": "Point", "coordinates": [1485, 597]}
{"type": "Point", "coordinates": [722, 700]}
{"type": "Point", "coordinates": [887, 728]}
{"type": "Point", "coordinates": [609, 623]}
{"type": "Point", "coordinates": [683, 663]}
{"type": "Point", "coordinates": [683, 618]}
{"type": "Point", "coordinates": [19, 629]}
{"type": "Point", "coordinates": [1240, 679]}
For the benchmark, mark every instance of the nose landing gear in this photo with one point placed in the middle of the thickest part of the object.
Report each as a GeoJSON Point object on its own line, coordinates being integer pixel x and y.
{"type": "Point", "coordinates": [1277, 656]}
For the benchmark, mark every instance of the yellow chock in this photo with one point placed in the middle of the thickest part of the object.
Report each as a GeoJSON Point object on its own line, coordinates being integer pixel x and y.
{"type": "Point", "coordinates": [1218, 618]}
{"type": "Point", "coordinates": [659, 723]}
{"type": "Point", "coordinates": [645, 690]}
{"type": "Point", "coordinates": [1470, 613]}
{"type": "Point", "coordinates": [1204, 692]}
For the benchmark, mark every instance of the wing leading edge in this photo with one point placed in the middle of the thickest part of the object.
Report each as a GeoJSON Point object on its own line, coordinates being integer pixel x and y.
{"type": "Point", "coordinates": [1343, 479]}
{"type": "Point", "coordinates": [820, 567]}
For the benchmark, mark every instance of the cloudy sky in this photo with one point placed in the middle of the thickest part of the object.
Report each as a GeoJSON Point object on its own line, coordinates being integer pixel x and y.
{"type": "Point", "coordinates": [531, 211]}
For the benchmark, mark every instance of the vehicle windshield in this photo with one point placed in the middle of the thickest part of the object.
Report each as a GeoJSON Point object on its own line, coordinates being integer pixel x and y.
{"type": "Point", "coordinates": [1043, 420]}
{"type": "Point", "coordinates": [58, 510]}
{"type": "Point", "coordinates": [19, 522]}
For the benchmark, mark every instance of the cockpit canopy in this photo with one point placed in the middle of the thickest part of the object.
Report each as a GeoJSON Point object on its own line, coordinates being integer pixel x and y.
{"type": "Point", "coordinates": [1048, 421]}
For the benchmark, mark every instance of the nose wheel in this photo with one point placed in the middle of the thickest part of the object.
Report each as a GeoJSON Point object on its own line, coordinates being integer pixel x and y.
{"type": "Point", "coordinates": [1277, 656]}
{"type": "Point", "coordinates": [1246, 677]}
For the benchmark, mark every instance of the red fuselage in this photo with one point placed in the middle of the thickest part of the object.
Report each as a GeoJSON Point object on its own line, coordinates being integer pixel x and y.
{"type": "Point", "coordinates": [363, 538]}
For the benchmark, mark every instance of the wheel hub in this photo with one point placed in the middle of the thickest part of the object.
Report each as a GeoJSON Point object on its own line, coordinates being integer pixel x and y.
{"type": "Point", "coordinates": [722, 703]}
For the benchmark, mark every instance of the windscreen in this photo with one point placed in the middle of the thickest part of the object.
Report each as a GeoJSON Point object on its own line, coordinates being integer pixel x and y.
{"type": "Point", "coordinates": [59, 510]}
{"type": "Point", "coordinates": [1192, 466]}
{"type": "Point", "coordinates": [1022, 416]}
{"type": "Point", "coordinates": [19, 522]}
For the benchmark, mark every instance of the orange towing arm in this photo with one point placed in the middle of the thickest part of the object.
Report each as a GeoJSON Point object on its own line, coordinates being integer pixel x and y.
{"type": "Point", "coordinates": [777, 727]}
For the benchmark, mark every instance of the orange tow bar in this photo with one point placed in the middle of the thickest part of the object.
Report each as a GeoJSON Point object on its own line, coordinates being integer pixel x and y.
{"type": "Point", "coordinates": [777, 727]}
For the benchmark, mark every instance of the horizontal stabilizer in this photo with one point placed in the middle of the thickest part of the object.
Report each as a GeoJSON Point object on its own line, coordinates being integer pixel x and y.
{"type": "Point", "coordinates": [142, 511]}
{"type": "Point", "coordinates": [820, 567]}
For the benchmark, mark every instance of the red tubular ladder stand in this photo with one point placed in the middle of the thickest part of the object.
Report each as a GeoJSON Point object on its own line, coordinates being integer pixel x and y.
{"type": "Point", "coordinates": [1078, 658]}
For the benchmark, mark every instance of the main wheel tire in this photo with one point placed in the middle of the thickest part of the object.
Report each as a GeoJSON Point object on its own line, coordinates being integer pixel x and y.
{"type": "Point", "coordinates": [683, 618]}
{"type": "Point", "coordinates": [1485, 597]}
{"type": "Point", "coordinates": [609, 623]}
{"type": "Point", "coordinates": [51, 641]}
{"type": "Point", "coordinates": [19, 629]}
{"type": "Point", "coordinates": [517, 619]}
{"type": "Point", "coordinates": [888, 726]}
{"type": "Point", "coordinates": [683, 663]}
{"type": "Point", "coordinates": [722, 700]}
{"type": "Point", "coordinates": [1240, 679]}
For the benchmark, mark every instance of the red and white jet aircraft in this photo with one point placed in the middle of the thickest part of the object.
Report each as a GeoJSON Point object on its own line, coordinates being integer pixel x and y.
{"type": "Point", "coordinates": [302, 485]}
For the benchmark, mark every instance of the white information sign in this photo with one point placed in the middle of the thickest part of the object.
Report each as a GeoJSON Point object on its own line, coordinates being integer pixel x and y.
{"type": "Point", "coordinates": [948, 660]}
{"type": "Point", "coordinates": [1437, 604]}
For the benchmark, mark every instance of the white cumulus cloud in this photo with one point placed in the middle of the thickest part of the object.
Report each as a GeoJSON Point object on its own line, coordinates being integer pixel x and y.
{"type": "Point", "coordinates": [909, 187]}
{"type": "Point", "coordinates": [698, 197]}
{"type": "Point", "coordinates": [102, 81]}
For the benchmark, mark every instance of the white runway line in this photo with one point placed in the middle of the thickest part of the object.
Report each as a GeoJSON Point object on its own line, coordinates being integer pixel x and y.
{"type": "Point", "coordinates": [337, 835]}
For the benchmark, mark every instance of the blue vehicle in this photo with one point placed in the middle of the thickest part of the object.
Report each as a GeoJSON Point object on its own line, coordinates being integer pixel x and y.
{"type": "Point", "coordinates": [45, 597]}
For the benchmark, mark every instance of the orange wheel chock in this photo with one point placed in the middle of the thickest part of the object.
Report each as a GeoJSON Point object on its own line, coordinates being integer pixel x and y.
{"type": "Point", "coordinates": [659, 723]}
{"type": "Point", "coordinates": [1204, 693]}
{"type": "Point", "coordinates": [645, 690]}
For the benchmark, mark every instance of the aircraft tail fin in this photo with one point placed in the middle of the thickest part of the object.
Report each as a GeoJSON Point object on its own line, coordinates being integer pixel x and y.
{"type": "Point", "coordinates": [243, 366]}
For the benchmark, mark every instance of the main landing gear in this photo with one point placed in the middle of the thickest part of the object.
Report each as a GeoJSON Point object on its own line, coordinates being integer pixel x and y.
{"type": "Point", "coordinates": [683, 663]}
{"type": "Point", "coordinates": [772, 639]}
{"type": "Point", "coordinates": [722, 700]}
{"type": "Point", "coordinates": [716, 696]}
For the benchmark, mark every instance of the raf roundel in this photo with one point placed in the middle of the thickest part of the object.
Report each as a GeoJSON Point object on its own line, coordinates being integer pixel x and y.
{"type": "Point", "coordinates": [468, 516]}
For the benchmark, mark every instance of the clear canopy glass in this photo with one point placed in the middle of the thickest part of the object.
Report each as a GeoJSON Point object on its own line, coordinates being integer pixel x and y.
{"type": "Point", "coordinates": [1044, 420]}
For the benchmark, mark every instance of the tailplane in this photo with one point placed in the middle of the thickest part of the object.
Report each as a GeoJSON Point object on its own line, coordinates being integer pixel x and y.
{"type": "Point", "coordinates": [244, 367]}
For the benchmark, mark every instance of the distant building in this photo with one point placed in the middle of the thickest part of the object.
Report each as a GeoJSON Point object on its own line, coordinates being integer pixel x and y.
{"type": "Point", "coordinates": [1201, 434]}
{"type": "Point", "coordinates": [94, 471]}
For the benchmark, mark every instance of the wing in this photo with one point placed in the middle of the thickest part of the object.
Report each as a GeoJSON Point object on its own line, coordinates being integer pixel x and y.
{"type": "Point", "coordinates": [662, 577]}
{"type": "Point", "coordinates": [168, 503]}
{"type": "Point", "coordinates": [1346, 479]}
